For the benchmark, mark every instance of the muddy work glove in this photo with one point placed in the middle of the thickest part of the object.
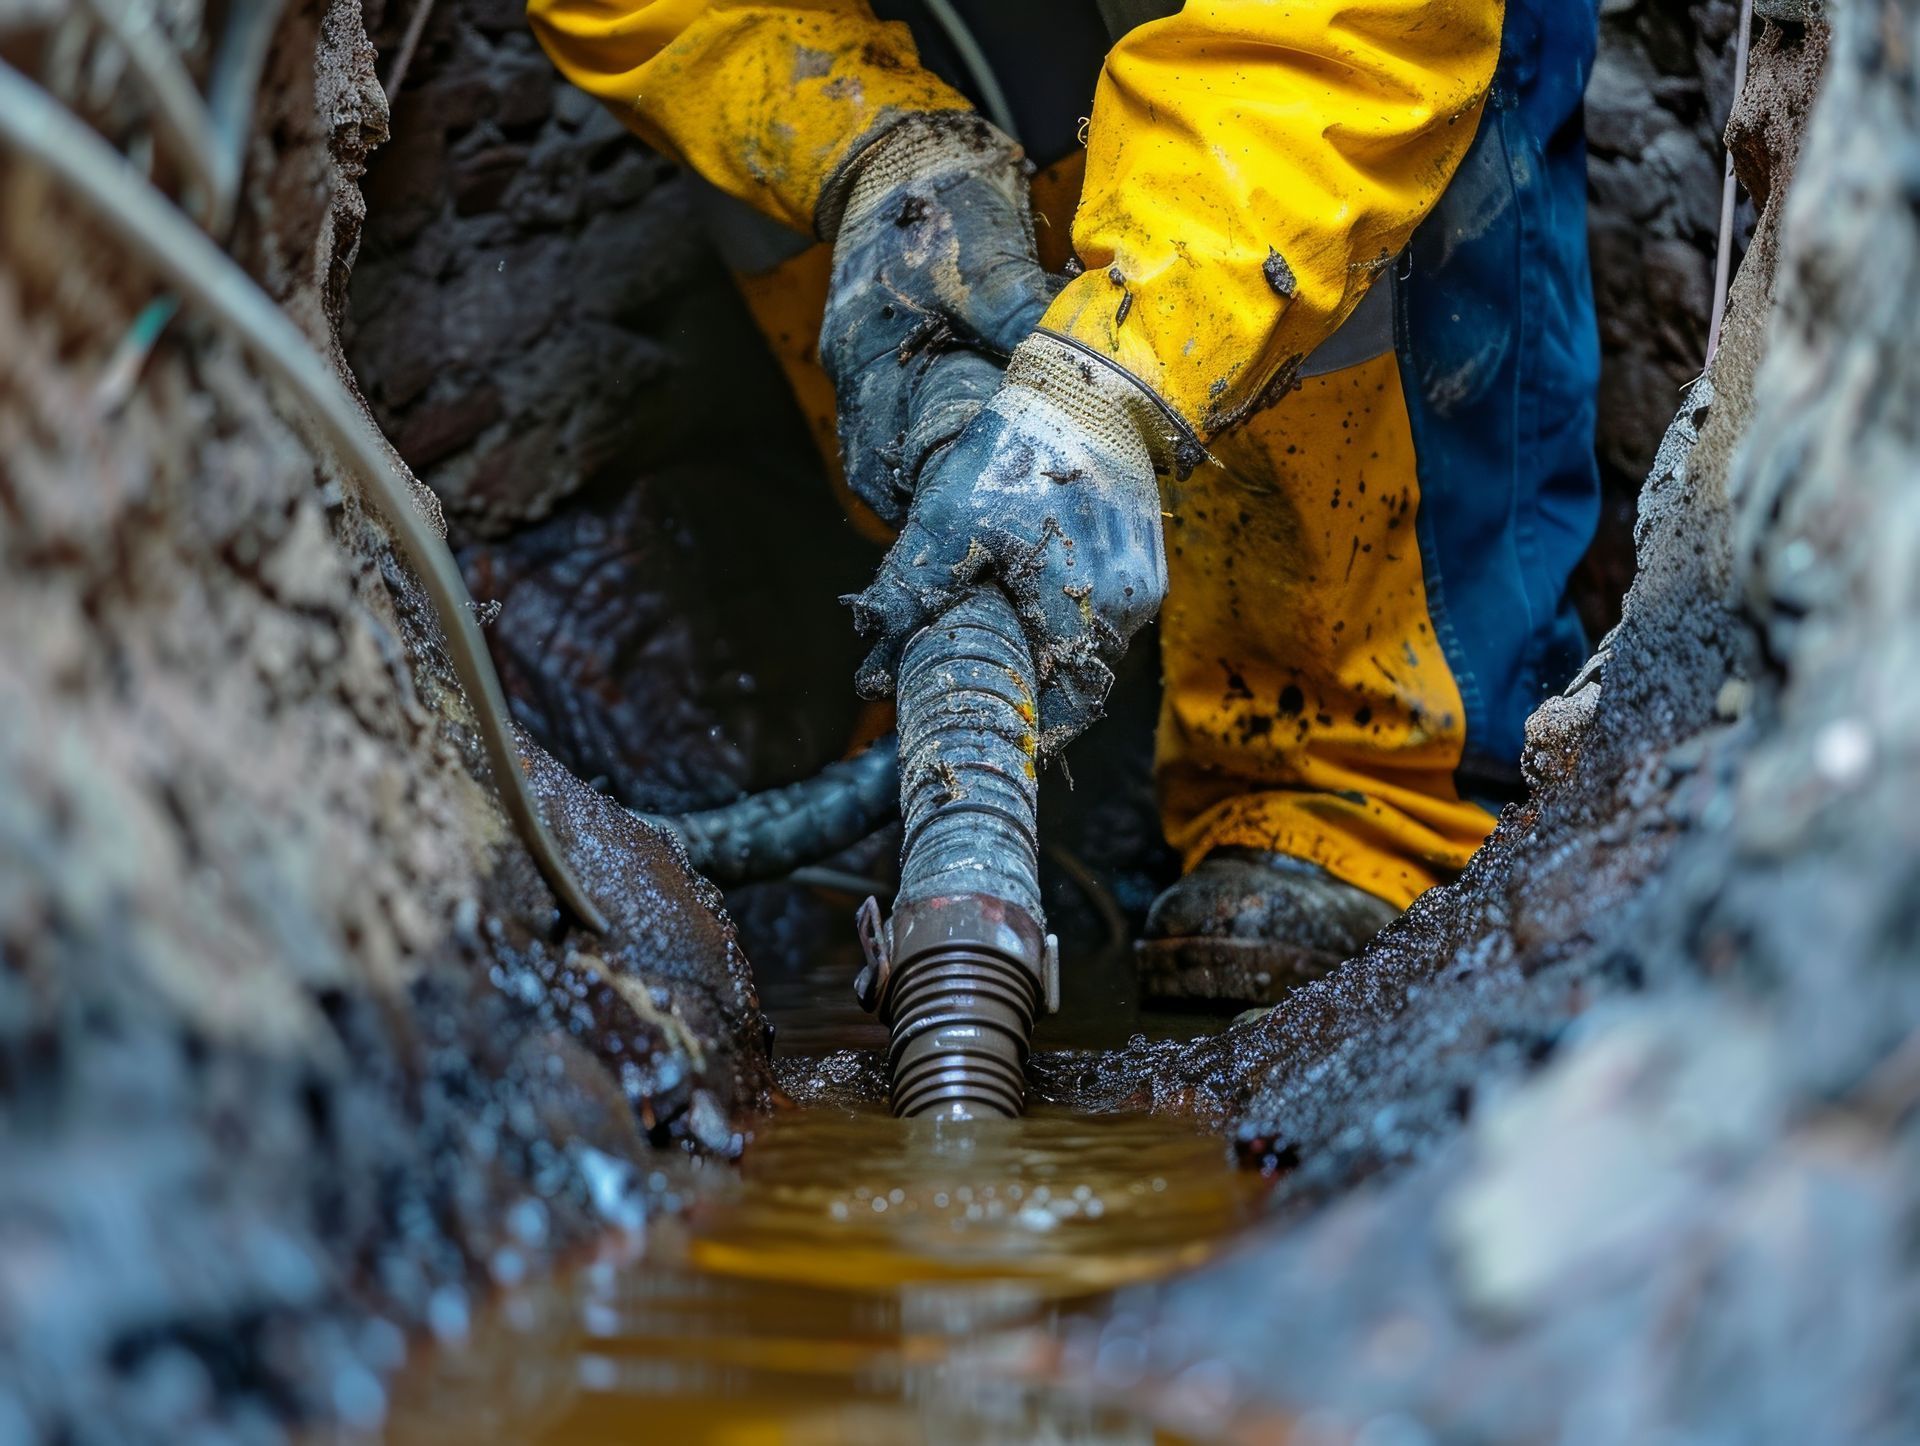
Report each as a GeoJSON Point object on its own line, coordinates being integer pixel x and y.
{"type": "Point", "coordinates": [933, 251]}
{"type": "Point", "coordinates": [1050, 492]}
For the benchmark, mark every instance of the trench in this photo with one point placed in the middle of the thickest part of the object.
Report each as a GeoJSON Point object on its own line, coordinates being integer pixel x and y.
{"type": "Point", "coordinates": [664, 585]}
{"type": "Point", "coordinates": [638, 504]}
{"type": "Point", "coordinates": [311, 1119]}
{"type": "Point", "coordinates": [855, 1277]}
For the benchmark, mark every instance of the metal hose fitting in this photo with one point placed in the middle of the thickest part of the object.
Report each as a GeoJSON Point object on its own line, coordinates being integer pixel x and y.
{"type": "Point", "coordinates": [961, 971]}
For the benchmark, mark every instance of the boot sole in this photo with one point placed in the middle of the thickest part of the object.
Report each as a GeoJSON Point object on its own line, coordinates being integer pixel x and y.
{"type": "Point", "coordinates": [1229, 971]}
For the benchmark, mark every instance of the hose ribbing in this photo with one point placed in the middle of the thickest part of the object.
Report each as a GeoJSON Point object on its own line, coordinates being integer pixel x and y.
{"type": "Point", "coordinates": [968, 791]}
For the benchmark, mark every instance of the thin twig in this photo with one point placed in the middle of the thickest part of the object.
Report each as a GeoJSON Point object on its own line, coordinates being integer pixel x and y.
{"type": "Point", "coordinates": [1095, 892]}
{"type": "Point", "coordinates": [179, 115]}
{"type": "Point", "coordinates": [37, 126]}
{"type": "Point", "coordinates": [1723, 257]}
{"type": "Point", "coordinates": [235, 84]}
{"type": "Point", "coordinates": [838, 881]}
{"type": "Point", "coordinates": [409, 42]}
{"type": "Point", "coordinates": [123, 368]}
{"type": "Point", "coordinates": [230, 97]}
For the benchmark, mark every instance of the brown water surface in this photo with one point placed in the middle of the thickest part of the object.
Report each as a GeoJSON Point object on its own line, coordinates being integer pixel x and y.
{"type": "Point", "coordinates": [859, 1280]}
{"type": "Point", "coordinates": [856, 1279]}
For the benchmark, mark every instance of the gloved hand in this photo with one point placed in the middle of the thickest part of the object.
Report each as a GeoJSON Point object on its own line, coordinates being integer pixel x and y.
{"type": "Point", "coordinates": [1049, 491]}
{"type": "Point", "coordinates": [932, 250]}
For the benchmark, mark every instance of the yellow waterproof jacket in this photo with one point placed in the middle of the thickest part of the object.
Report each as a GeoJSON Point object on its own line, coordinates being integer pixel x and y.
{"type": "Point", "coordinates": [1251, 164]}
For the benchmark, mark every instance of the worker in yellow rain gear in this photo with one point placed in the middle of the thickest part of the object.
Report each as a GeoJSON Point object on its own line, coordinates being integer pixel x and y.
{"type": "Point", "coordinates": [1302, 343]}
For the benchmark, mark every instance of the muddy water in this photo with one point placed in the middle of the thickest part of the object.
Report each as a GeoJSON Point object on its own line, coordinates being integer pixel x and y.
{"type": "Point", "coordinates": [859, 1280]}
{"type": "Point", "coordinates": [856, 1278]}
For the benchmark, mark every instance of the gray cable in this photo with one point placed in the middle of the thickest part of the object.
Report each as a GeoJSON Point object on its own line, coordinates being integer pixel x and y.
{"type": "Point", "coordinates": [40, 128]}
{"type": "Point", "coordinates": [977, 64]}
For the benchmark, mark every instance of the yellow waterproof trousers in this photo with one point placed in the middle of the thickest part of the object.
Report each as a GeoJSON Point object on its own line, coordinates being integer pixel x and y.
{"type": "Point", "coordinates": [1308, 707]}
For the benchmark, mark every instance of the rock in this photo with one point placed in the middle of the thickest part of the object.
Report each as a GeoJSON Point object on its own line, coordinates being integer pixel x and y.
{"type": "Point", "coordinates": [481, 177]}
{"type": "Point", "coordinates": [1626, 1134]}
{"type": "Point", "coordinates": [1620, 119]}
{"type": "Point", "coordinates": [435, 430]}
{"type": "Point", "coordinates": [1688, 175]}
{"type": "Point", "coordinates": [524, 95]}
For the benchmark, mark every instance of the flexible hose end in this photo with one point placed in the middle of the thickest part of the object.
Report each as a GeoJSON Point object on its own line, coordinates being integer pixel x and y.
{"type": "Point", "coordinates": [965, 965]}
{"type": "Point", "coordinates": [958, 981]}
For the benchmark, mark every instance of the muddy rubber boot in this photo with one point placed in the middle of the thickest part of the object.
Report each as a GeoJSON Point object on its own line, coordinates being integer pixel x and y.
{"type": "Point", "coordinates": [1247, 925]}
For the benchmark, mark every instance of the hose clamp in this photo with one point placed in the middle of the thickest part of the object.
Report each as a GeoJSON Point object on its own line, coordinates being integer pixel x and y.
{"type": "Point", "coordinates": [953, 922]}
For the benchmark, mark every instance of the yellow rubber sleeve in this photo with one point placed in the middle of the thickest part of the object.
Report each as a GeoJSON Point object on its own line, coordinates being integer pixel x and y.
{"type": "Point", "coordinates": [1251, 166]}
{"type": "Point", "coordinates": [764, 100]}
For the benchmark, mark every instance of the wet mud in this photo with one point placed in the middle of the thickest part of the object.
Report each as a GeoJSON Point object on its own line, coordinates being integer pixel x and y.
{"type": "Point", "coordinates": [632, 634]}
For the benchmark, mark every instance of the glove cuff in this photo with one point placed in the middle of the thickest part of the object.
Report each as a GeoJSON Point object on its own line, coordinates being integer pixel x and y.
{"type": "Point", "coordinates": [1105, 401]}
{"type": "Point", "coordinates": [920, 146]}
